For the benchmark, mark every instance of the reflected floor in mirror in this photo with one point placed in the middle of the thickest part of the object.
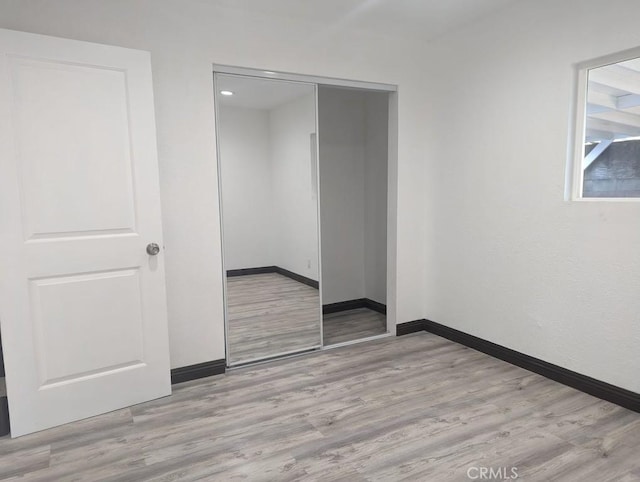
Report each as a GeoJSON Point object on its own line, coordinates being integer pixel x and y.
{"type": "Point", "coordinates": [269, 314]}
{"type": "Point", "coordinates": [352, 325]}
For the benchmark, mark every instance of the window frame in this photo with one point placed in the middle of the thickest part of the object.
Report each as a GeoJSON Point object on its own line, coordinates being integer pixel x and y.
{"type": "Point", "coordinates": [577, 129]}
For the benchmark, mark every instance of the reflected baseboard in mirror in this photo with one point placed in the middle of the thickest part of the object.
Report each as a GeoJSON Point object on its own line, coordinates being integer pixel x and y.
{"type": "Point", "coordinates": [274, 269]}
{"type": "Point", "coordinates": [354, 304]}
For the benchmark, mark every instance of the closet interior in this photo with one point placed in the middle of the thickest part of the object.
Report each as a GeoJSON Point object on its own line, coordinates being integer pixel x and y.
{"type": "Point", "coordinates": [353, 126]}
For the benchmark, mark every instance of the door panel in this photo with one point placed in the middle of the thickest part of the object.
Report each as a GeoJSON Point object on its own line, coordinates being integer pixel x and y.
{"type": "Point", "coordinates": [82, 305]}
{"type": "Point", "coordinates": [92, 146]}
{"type": "Point", "coordinates": [113, 339]}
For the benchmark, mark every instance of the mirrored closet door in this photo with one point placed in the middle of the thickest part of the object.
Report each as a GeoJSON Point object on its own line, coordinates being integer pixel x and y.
{"type": "Point", "coordinates": [269, 200]}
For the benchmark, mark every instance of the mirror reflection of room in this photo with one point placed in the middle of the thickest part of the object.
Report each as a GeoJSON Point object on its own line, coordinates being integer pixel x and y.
{"type": "Point", "coordinates": [353, 147]}
{"type": "Point", "coordinates": [268, 180]}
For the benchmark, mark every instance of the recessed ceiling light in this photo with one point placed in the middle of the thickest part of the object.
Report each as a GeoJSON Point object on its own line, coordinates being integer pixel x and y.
{"type": "Point", "coordinates": [226, 92]}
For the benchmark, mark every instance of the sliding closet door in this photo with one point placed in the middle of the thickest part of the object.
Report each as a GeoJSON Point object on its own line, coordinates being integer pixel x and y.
{"type": "Point", "coordinates": [268, 184]}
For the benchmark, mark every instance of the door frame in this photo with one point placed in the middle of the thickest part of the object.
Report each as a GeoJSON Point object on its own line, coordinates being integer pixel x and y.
{"type": "Point", "coordinates": [392, 188]}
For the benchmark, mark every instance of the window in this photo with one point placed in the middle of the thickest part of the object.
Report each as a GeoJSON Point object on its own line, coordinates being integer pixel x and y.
{"type": "Point", "coordinates": [607, 148]}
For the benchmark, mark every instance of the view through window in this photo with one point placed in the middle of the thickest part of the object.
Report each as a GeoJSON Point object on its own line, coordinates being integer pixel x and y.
{"type": "Point", "coordinates": [611, 157]}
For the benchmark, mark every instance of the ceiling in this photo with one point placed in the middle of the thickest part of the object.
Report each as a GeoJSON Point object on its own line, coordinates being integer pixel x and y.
{"type": "Point", "coordinates": [423, 19]}
{"type": "Point", "coordinates": [256, 93]}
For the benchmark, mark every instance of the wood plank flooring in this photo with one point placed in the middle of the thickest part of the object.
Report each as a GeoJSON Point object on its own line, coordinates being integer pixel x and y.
{"type": "Point", "coordinates": [352, 325]}
{"type": "Point", "coordinates": [416, 408]}
{"type": "Point", "coordinates": [269, 314]}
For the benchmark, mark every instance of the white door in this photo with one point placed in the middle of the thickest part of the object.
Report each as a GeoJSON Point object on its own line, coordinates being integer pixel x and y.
{"type": "Point", "coordinates": [82, 304]}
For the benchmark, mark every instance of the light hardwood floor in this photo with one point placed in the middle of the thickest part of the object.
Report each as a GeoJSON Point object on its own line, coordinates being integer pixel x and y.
{"type": "Point", "coordinates": [416, 408]}
{"type": "Point", "coordinates": [269, 314]}
{"type": "Point", "coordinates": [352, 325]}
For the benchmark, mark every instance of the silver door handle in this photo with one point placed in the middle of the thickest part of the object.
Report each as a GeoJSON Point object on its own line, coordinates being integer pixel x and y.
{"type": "Point", "coordinates": [153, 249]}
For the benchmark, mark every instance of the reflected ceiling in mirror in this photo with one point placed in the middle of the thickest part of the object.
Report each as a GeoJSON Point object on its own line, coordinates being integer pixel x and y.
{"type": "Point", "coordinates": [256, 93]}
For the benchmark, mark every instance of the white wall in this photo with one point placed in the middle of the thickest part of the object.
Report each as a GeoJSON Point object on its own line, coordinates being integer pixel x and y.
{"type": "Point", "coordinates": [247, 188]}
{"type": "Point", "coordinates": [353, 193]}
{"type": "Point", "coordinates": [295, 202]}
{"type": "Point", "coordinates": [270, 210]}
{"type": "Point", "coordinates": [508, 259]}
{"type": "Point", "coordinates": [184, 39]}
{"type": "Point", "coordinates": [376, 114]}
{"type": "Point", "coordinates": [341, 138]}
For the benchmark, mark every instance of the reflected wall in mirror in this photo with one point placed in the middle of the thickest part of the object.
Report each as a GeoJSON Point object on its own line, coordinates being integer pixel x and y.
{"type": "Point", "coordinates": [268, 183]}
{"type": "Point", "coordinates": [353, 145]}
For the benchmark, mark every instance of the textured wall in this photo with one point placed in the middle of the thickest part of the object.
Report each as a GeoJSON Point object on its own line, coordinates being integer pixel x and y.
{"type": "Point", "coordinates": [508, 259]}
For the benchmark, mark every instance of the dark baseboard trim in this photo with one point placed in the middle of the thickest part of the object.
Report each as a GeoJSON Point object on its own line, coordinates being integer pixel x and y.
{"type": "Point", "coordinates": [605, 391]}
{"type": "Point", "coordinates": [247, 271]}
{"type": "Point", "coordinates": [375, 306]}
{"type": "Point", "coordinates": [354, 305]}
{"type": "Point", "coordinates": [343, 306]}
{"type": "Point", "coordinates": [4, 417]}
{"type": "Point", "coordinates": [298, 277]}
{"type": "Point", "coordinates": [273, 269]}
{"type": "Point", "coordinates": [200, 370]}
{"type": "Point", "coordinates": [409, 327]}
{"type": "Point", "coordinates": [2, 374]}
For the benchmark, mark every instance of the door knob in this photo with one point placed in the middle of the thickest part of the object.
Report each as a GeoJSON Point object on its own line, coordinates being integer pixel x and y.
{"type": "Point", "coordinates": [153, 249]}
